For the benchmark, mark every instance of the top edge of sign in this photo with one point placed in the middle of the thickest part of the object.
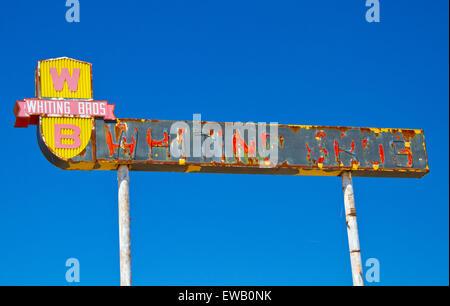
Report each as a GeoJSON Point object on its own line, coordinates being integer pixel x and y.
{"type": "Point", "coordinates": [64, 58]}
{"type": "Point", "coordinates": [299, 126]}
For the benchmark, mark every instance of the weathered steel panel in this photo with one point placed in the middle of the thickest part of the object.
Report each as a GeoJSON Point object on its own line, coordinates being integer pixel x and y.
{"type": "Point", "coordinates": [147, 145]}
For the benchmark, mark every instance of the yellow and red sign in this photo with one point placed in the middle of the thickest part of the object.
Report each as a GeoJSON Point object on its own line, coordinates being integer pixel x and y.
{"type": "Point", "coordinates": [64, 106]}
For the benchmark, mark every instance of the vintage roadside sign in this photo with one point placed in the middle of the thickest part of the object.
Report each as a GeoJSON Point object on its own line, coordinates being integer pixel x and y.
{"type": "Point", "coordinates": [76, 132]}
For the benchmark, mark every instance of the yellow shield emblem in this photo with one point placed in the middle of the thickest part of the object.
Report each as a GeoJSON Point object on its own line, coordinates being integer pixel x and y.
{"type": "Point", "coordinates": [66, 137]}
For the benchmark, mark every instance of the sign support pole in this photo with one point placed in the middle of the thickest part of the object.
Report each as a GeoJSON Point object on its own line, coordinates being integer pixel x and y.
{"type": "Point", "coordinates": [124, 225]}
{"type": "Point", "coordinates": [352, 229]}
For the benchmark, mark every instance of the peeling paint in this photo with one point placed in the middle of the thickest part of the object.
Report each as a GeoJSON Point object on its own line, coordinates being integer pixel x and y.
{"type": "Point", "coordinates": [302, 150]}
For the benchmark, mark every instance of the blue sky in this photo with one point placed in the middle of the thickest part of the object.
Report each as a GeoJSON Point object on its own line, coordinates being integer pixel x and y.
{"type": "Point", "coordinates": [294, 62]}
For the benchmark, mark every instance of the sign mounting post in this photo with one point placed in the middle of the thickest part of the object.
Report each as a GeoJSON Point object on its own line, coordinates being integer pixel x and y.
{"type": "Point", "coordinates": [76, 132]}
{"type": "Point", "coordinates": [124, 225]}
{"type": "Point", "coordinates": [352, 229]}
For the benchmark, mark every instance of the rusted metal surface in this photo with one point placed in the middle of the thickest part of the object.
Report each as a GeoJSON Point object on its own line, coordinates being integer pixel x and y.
{"type": "Point", "coordinates": [124, 225]}
{"type": "Point", "coordinates": [352, 229]}
{"type": "Point", "coordinates": [145, 145]}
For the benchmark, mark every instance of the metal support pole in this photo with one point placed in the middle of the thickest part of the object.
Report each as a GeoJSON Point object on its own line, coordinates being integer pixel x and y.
{"type": "Point", "coordinates": [124, 225]}
{"type": "Point", "coordinates": [352, 229]}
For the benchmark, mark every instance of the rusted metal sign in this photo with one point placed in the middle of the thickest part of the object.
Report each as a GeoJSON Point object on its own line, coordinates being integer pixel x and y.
{"type": "Point", "coordinates": [82, 134]}
{"type": "Point", "coordinates": [149, 145]}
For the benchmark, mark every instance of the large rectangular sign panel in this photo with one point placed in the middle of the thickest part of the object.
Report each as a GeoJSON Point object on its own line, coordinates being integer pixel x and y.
{"type": "Point", "coordinates": [196, 146]}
